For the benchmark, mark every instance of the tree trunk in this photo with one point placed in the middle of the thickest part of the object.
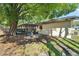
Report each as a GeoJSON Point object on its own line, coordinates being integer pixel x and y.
{"type": "Point", "coordinates": [13, 27]}
{"type": "Point", "coordinates": [66, 32]}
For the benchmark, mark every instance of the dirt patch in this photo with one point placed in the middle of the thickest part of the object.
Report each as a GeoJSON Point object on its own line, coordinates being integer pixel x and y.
{"type": "Point", "coordinates": [8, 48]}
{"type": "Point", "coordinates": [12, 49]}
{"type": "Point", "coordinates": [20, 46]}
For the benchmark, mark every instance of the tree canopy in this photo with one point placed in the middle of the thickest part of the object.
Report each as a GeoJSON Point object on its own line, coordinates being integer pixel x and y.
{"type": "Point", "coordinates": [33, 12]}
{"type": "Point", "coordinates": [18, 13]}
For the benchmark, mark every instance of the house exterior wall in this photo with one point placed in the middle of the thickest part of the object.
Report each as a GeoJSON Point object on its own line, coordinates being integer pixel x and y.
{"type": "Point", "coordinates": [57, 25]}
{"type": "Point", "coordinates": [56, 31]}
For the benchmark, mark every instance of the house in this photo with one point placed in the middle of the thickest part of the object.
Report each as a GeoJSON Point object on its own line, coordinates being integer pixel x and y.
{"type": "Point", "coordinates": [53, 27]}
{"type": "Point", "coordinates": [74, 15]}
{"type": "Point", "coordinates": [27, 29]}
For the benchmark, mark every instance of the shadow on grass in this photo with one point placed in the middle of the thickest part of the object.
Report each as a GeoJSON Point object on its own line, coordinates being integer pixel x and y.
{"type": "Point", "coordinates": [64, 50]}
{"type": "Point", "coordinates": [70, 41]}
{"type": "Point", "coordinates": [52, 50]}
{"type": "Point", "coordinates": [69, 47]}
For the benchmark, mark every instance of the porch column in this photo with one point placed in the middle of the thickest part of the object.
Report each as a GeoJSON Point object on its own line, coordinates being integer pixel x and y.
{"type": "Point", "coordinates": [51, 31]}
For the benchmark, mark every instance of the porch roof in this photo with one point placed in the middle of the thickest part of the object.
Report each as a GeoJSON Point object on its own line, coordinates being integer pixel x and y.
{"type": "Point", "coordinates": [71, 15]}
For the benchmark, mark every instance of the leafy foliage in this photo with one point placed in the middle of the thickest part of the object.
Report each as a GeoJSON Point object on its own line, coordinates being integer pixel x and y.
{"type": "Point", "coordinates": [32, 13]}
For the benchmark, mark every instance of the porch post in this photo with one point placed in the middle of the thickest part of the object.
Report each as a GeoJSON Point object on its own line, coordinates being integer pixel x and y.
{"type": "Point", "coordinates": [51, 31]}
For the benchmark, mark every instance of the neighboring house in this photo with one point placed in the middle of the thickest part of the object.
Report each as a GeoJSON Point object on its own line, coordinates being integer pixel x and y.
{"type": "Point", "coordinates": [27, 29]}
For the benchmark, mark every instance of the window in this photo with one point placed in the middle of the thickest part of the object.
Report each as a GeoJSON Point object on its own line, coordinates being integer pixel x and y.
{"type": "Point", "coordinates": [41, 27]}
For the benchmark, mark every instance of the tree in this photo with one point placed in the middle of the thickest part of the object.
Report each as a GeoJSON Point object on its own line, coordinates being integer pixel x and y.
{"type": "Point", "coordinates": [11, 12]}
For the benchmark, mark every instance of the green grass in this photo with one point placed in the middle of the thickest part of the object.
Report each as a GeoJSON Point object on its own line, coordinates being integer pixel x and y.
{"type": "Point", "coordinates": [69, 45]}
{"type": "Point", "coordinates": [63, 47]}
{"type": "Point", "coordinates": [52, 47]}
{"type": "Point", "coordinates": [52, 50]}
{"type": "Point", "coordinates": [55, 44]}
{"type": "Point", "coordinates": [72, 42]}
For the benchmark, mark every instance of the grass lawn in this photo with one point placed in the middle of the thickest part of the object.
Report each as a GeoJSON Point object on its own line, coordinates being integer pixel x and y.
{"type": "Point", "coordinates": [54, 47]}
